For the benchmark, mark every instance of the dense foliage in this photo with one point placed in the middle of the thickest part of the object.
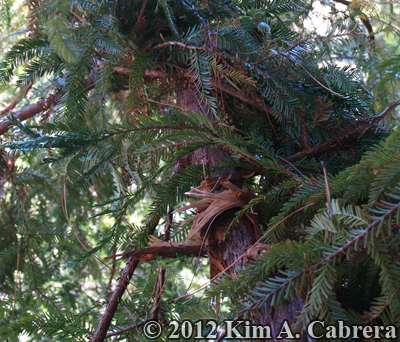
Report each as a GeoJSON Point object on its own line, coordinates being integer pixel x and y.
{"type": "Point", "coordinates": [108, 163]}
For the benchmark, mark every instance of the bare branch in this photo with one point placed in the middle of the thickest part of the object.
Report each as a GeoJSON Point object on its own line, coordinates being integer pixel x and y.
{"type": "Point", "coordinates": [116, 296]}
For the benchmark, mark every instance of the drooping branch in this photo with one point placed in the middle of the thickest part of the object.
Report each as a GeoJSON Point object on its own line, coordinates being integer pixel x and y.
{"type": "Point", "coordinates": [330, 257]}
{"type": "Point", "coordinates": [327, 259]}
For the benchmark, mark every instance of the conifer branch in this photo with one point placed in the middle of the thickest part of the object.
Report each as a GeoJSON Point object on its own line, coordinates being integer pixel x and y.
{"type": "Point", "coordinates": [328, 259]}
{"type": "Point", "coordinates": [227, 77]}
{"type": "Point", "coordinates": [301, 41]}
{"type": "Point", "coordinates": [33, 109]}
{"type": "Point", "coordinates": [247, 97]}
{"type": "Point", "coordinates": [355, 132]}
{"type": "Point", "coordinates": [167, 250]}
{"type": "Point", "coordinates": [119, 290]}
{"type": "Point", "coordinates": [41, 106]}
{"type": "Point", "coordinates": [365, 21]}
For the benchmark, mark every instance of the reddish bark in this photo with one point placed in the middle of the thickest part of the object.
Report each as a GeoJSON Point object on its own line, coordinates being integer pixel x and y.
{"type": "Point", "coordinates": [33, 109]}
{"type": "Point", "coordinates": [41, 106]}
{"type": "Point", "coordinates": [116, 296]}
{"type": "Point", "coordinates": [166, 251]}
{"type": "Point", "coordinates": [224, 252]}
{"type": "Point", "coordinates": [123, 281]}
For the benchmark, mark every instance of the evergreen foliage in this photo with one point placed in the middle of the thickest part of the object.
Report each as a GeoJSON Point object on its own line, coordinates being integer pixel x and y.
{"type": "Point", "coordinates": [107, 152]}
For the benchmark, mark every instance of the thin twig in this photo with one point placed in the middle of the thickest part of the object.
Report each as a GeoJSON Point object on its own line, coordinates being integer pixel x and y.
{"type": "Point", "coordinates": [15, 100]}
{"type": "Point", "coordinates": [140, 17]}
{"type": "Point", "coordinates": [325, 87]}
{"type": "Point", "coordinates": [127, 328]}
{"type": "Point", "coordinates": [328, 193]}
{"type": "Point", "coordinates": [161, 270]}
{"type": "Point", "coordinates": [182, 45]}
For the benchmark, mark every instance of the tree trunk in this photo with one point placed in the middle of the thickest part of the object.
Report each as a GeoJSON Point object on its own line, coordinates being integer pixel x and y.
{"type": "Point", "coordinates": [242, 235]}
